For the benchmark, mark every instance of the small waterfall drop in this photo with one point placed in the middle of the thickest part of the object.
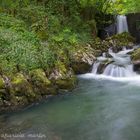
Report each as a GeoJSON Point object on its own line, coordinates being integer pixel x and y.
{"type": "Point", "coordinates": [119, 71]}
{"type": "Point", "coordinates": [122, 25]}
{"type": "Point", "coordinates": [120, 64]}
{"type": "Point", "coordinates": [95, 67]}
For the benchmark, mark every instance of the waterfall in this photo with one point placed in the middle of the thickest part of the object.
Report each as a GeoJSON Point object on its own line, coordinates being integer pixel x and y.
{"type": "Point", "coordinates": [95, 67]}
{"type": "Point", "coordinates": [120, 65]}
{"type": "Point", "coordinates": [122, 25]}
{"type": "Point", "coordinates": [119, 71]}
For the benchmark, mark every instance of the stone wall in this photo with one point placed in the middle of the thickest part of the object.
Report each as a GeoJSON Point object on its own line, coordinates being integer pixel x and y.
{"type": "Point", "coordinates": [133, 20]}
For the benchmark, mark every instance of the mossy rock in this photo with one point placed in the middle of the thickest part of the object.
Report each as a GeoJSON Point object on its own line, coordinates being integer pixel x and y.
{"type": "Point", "coordinates": [2, 83]}
{"type": "Point", "coordinates": [21, 87]}
{"type": "Point", "coordinates": [62, 76]}
{"type": "Point", "coordinates": [41, 84]}
{"type": "Point", "coordinates": [19, 101]}
{"type": "Point", "coordinates": [116, 42]}
{"type": "Point", "coordinates": [2, 96]}
{"type": "Point", "coordinates": [136, 55]}
{"type": "Point", "coordinates": [82, 58]}
{"type": "Point", "coordinates": [38, 76]}
{"type": "Point", "coordinates": [59, 71]}
{"type": "Point", "coordinates": [61, 67]}
{"type": "Point", "coordinates": [81, 68]}
{"type": "Point", "coordinates": [98, 44]}
{"type": "Point", "coordinates": [124, 37]}
{"type": "Point", "coordinates": [66, 84]}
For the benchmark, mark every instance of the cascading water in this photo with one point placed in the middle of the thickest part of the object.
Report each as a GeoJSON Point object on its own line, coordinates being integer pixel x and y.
{"type": "Point", "coordinates": [119, 71]}
{"type": "Point", "coordinates": [95, 67]}
{"type": "Point", "coordinates": [122, 25]}
{"type": "Point", "coordinates": [121, 65]}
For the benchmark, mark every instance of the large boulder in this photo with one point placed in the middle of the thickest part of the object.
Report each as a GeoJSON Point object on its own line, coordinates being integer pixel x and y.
{"type": "Point", "coordinates": [16, 92]}
{"type": "Point", "coordinates": [2, 83]}
{"type": "Point", "coordinates": [21, 90]}
{"type": "Point", "coordinates": [97, 44]}
{"type": "Point", "coordinates": [2, 90]}
{"type": "Point", "coordinates": [41, 84]}
{"type": "Point", "coordinates": [136, 60]}
{"type": "Point", "coordinates": [116, 42]}
{"type": "Point", "coordinates": [82, 59]}
{"type": "Point", "coordinates": [136, 55]}
{"type": "Point", "coordinates": [62, 76]}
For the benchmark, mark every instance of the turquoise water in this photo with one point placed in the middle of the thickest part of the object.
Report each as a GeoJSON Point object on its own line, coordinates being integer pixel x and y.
{"type": "Point", "coordinates": [95, 110]}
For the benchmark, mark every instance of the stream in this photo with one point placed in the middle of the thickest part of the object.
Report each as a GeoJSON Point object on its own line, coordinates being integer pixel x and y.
{"type": "Point", "coordinates": [98, 109]}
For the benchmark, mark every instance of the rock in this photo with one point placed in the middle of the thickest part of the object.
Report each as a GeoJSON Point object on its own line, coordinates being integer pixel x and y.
{"type": "Point", "coordinates": [41, 83]}
{"type": "Point", "coordinates": [82, 59]}
{"type": "Point", "coordinates": [81, 67]}
{"type": "Point", "coordinates": [99, 45]}
{"type": "Point", "coordinates": [102, 67]}
{"type": "Point", "coordinates": [137, 66]}
{"type": "Point", "coordinates": [66, 84]}
{"type": "Point", "coordinates": [136, 55]}
{"type": "Point", "coordinates": [2, 83]}
{"type": "Point", "coordinates": [21, 89]}
{"type": "Point", "coordinates": [2, 91]}
{"type": "Point", "coordinates": [116, 42]}
{"type": "Point", "coordinates": [63, 76]}
{"type": "Point", "coordinates": [136, 60]}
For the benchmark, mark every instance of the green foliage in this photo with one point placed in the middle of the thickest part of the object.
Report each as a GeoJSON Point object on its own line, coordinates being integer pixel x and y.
{"type": "Point", "coordinates": [16, 51]}
{"type": "Point", "coordinates": [124, 6]}
{"type": "Point", "coordinates": [46, 57]}
{"type": "Point", "coordinates": [10, 22]}
{"type": "Point", "coordinates": [98, 5]}
{"type": "Point", "coordinates": [31, 14]}
{"type": "Point", "coordinates": [66, 36]}
{"type": "Point", "coordinates": [35, 18]}
{"type": "Point", "coordinates": [39, 33]}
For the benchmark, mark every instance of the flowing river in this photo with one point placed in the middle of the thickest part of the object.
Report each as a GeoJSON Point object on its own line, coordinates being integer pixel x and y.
{"type": "Point", "coordinates": [98, 109]}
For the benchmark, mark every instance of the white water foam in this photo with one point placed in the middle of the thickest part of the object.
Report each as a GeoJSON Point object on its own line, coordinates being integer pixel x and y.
{"type": "Point", "coordinates": [132, 80]}
{"type": "Point", "coordinates": [95, 67]}
{"type": "Point", "coordinates": [121, 65]}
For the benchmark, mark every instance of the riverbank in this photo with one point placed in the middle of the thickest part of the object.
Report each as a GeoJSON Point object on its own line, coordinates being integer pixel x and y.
{"type": "Point", "coordinates": [19, 89]}
{"type": "Point", "coordinates": [41, 54]}
{"type": "Point", "coordinates": [110, 111]}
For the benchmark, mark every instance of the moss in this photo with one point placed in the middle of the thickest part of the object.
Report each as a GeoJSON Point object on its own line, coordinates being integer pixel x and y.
{"type": "Point", "coordinates": [117, 42]}
{"type": "Point", "coordinates": [61, 67]}
{"type": "Point", "coordinates": [40, 82]}
{"type": "Point", "coordinates": [97, 44]}
{"type": "Point", "coordinates": [62, 76]}
{"type": "Point", "coordinates": [2, 84]}
{"type": "Point", "coordinates": [21, 87]}
{"type": "Point", "coordinates": [82, 58]}
{"type": "Point", "coordinates": [18, 79]}
{"type": "Point", "coordinates": [38, 76]}
{"type": "Point", "coordinates": [136, 55]}
{"type": "Point", "coordinates": [81, 68]}
{"type": "Point", "coordinates": [67, 84]}
{"type": "Point", "coordinates": [19, 101]}
{"type": "Point", "coordinates": [123, 37]}
{"type": "Point", "coordinates": [2, 94]}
